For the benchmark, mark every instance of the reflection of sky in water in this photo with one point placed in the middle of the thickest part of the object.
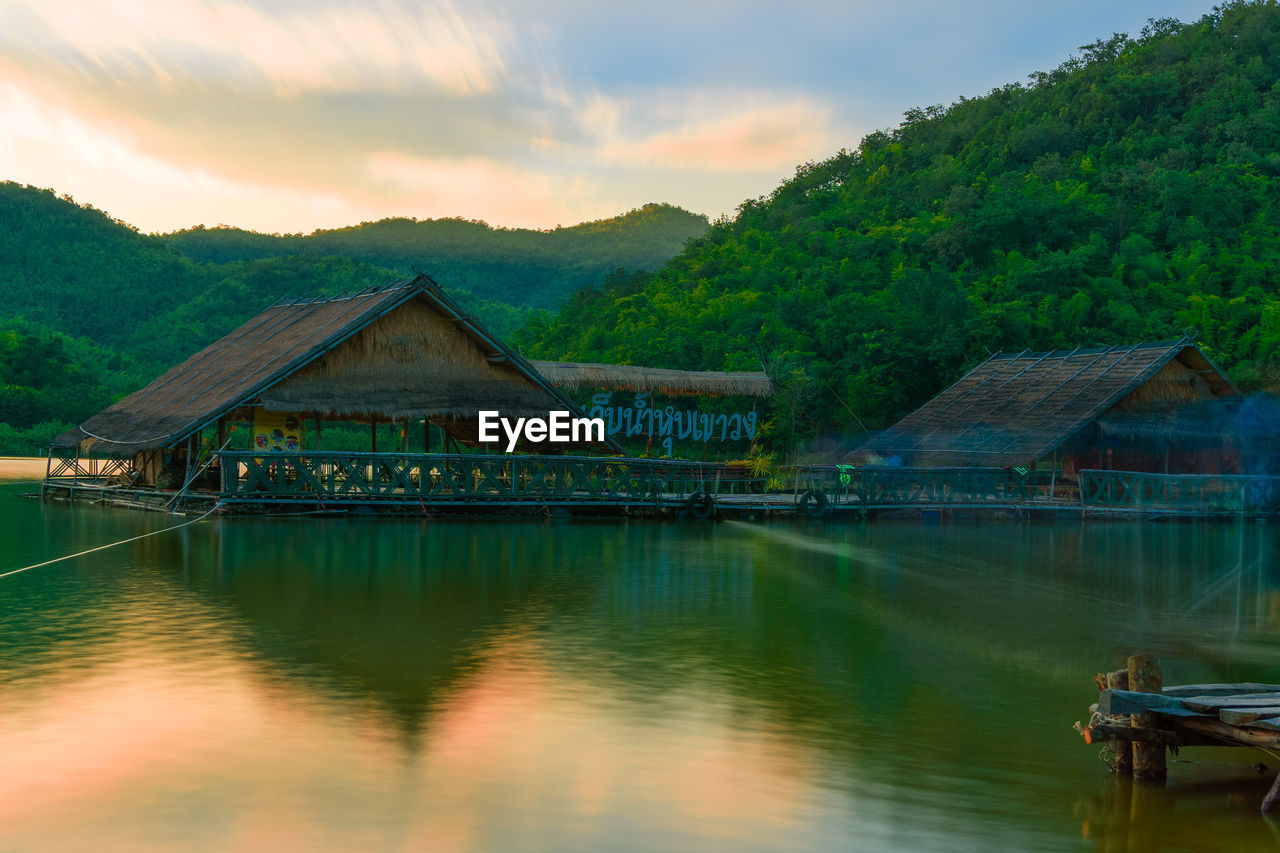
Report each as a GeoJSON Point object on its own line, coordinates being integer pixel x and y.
{"type": "Point", "coordinates": [429, 685]}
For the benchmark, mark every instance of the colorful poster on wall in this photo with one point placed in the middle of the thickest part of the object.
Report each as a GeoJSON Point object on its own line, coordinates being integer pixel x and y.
{"type": "Point", "coordinates": [276, 432]}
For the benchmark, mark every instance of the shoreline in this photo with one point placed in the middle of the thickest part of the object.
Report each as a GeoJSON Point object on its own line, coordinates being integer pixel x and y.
{"type": "Point", "coordinates": [22, 468]}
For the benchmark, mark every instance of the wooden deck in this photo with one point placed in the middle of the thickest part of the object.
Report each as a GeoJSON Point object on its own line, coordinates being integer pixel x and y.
{"type": "Point", "coordinates": [1142, 722]}
{"type": "Point", "coordinates": [397, 482]}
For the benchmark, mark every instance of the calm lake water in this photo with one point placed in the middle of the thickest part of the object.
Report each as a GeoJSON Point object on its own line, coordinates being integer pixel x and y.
{"type": "Point", "coordinates": [369, 684]}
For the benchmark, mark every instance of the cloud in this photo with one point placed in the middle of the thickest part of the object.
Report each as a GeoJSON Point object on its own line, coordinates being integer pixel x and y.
{"type": "Point", "coordinates": [298, 115]}
{"type": "Point", "coordinates": [477, 188]}
{"type": "Point", "coordinates": [59, 150]}
{"type": "Point", "coordinates": [309, 47]}
{"type": "Point", "coordinates": [761, 134]}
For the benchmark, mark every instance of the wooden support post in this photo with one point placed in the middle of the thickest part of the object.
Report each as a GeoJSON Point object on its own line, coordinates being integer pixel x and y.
{"type": "Point", "coordinates": [1053, 476]}
{"type": "Point", "coordinates": [373, 436]}
{"type": "Point", "coordinates": [1148, 758]}
{"type": "Point", "coordinates": [1119, 680]}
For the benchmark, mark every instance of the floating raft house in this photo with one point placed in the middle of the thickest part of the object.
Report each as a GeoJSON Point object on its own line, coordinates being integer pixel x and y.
{"type": "Point", "coordinates": [405, 353]}
{"type": "Point", "coordinates": [1088, 408]}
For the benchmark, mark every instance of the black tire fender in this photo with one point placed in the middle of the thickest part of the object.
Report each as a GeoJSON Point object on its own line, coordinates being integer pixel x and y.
{"type": "Point", "coordinates": [700, 505]}
{"type": "Point", "coordinates": [812, 504]}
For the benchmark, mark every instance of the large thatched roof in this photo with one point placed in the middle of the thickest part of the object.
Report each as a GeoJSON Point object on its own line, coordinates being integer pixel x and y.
{"type": "Point", "coordinates": [1015, 408]}
{"type": "Point", "coordinates": [626, 377]}
{"type": "Point", "coordinates": [404, 350]}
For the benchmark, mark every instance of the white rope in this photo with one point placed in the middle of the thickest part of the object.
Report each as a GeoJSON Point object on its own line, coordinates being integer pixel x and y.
{"type": "Point", "coordinates": [198, 472]}
{"type": "Point", "coordinates": [127, 443]}
{"type": "Point", "coordinates": [215, 508]}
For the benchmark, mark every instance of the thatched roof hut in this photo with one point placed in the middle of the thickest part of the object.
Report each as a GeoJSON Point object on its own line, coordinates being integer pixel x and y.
{"type": "Point", "coordinates": [1016, 408]}
{"type": "Point", "coordinates": [401, 351]}
{"type": "Point", "coordinates": [627, 377]}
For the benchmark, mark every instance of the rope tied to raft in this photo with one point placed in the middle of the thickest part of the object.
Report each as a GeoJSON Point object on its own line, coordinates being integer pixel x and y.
{"type": "Point", "coordinates": [217, 506]}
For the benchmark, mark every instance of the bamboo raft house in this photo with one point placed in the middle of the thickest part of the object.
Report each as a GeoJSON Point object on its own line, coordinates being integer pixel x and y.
{"type": "Point", "coordinates": [1071, 406]}
{"type": "Point", "coordinates": [1139, 718]}
{"type": "Point", "coordinates": [401, 354]}
{"type": "Point", "coordinates": [1148, 428]}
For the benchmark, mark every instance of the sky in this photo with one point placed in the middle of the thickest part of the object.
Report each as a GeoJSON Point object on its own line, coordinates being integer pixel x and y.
{"type": "Point", "coordinates": [292, 115]}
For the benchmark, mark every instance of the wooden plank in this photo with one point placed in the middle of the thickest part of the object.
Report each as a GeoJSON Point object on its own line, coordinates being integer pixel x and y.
{"type": "Point", "coordinates": [1230, 735]}
{"type": "Point", "coordinates": [1122, 734]}
{"type": "Point", "coordinates": [1247, 716]}
{"type": "Point", "coordinates": [1212, 704]}
{"type": "Point", "coordinates": [1190, 690]}
{"type": "Point", "coordinates": [1132, 702]}
{"type": "Point", "coordinates": [1271, 724]}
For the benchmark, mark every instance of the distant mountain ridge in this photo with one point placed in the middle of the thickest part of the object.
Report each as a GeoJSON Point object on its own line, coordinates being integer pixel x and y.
{"type": "Point", "coordinates": [515, 266]}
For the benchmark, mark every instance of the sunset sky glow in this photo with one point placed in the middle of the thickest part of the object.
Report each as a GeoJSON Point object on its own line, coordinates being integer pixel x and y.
{"type": "Point", "coordinates": [291, 116]}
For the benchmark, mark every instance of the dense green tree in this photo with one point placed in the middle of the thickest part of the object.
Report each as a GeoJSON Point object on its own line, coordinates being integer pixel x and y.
{"type": "Point", "coordinates": [1129, 194]}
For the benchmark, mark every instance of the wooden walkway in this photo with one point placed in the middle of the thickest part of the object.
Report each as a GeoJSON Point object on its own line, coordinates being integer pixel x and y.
{"type": "Point", "coordinates": [466, 482]}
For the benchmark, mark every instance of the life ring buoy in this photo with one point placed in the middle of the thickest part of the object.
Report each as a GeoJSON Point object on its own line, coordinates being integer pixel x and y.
{"type": "Point", "coordinates": [812, 504]}
{"type": "Point", "coordinates": [700, 505]}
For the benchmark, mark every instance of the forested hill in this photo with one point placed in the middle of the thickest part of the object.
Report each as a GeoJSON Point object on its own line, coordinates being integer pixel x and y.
{"type": "Point", "coordinates": [1132, 193]}
{"type": "Point", "coordinates": [514, 266]}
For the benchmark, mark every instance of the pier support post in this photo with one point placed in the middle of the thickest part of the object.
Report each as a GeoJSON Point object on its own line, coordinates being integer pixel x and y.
{"type": "Point", "coordinates": [1148, 758]}
{"type": "Point", "coordinates": [1119, 680]}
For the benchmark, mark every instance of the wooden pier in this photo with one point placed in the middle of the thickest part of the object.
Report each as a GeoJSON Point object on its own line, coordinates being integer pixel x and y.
{"type": "Point", "coordinates": [1142, 719]}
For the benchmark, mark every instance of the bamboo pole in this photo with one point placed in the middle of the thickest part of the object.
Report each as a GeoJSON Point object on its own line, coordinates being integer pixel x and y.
{"type": "Point", "coordinates": [1148, 758]}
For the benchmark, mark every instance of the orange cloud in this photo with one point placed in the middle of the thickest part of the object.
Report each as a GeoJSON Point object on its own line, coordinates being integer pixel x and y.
{"type": "Point", "coordinates": [307, 48]}
{"type": "Point", "coordinates": [478, 188]}
{"type": "Point", "coordinates": [761, 134]}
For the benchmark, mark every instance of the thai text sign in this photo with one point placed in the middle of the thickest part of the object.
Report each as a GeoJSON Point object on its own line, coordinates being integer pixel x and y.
{"type": "Point", "coordinates": [670, 424]}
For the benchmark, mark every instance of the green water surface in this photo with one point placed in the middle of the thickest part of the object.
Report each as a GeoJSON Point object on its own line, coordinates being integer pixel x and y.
{"type": "Point", "coordinates": [424, 684]}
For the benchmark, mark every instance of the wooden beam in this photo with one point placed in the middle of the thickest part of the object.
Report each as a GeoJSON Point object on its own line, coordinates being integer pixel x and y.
{"type": "Point", "coordinates": [1230, 735]}
{"type": "Point", "coordinates": [1100, 732]}
{"type": "Point", "coordinates": [1248, 716]}
{"type": "Point", "coordinates": [1133, 702]}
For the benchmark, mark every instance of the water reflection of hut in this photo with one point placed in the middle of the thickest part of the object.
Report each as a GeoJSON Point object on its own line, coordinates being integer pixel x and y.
{"type": "Point", "coordinates": [396, 354]}
{"type": "Point", "coordinates": [1161, 407]}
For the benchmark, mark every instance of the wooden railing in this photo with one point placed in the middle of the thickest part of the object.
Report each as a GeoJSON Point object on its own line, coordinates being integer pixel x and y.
{"type": "Point", "coordinates": [1182, 493]}
{"type": "Point", "coordinates": [68, 465]}
{"type": "Point", "coordinates": [894, 486]}
{"type": "Point", "coordinates": [453, 478]}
